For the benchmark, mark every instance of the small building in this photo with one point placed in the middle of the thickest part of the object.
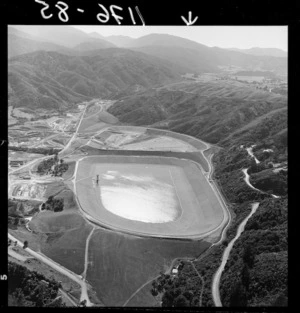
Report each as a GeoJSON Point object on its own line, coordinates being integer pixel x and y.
{"type": "Point", "coordinates": [175, 271]}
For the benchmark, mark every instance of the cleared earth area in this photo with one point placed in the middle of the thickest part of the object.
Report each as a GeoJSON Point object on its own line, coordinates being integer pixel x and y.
{"type": "Point", "coordinates": [150, 196]}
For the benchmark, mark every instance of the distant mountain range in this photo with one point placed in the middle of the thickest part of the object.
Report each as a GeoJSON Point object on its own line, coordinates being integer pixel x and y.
{"type": "Point", "coordinates": [274, 52]}
{"type": "Point", "coordinates": [186, 54]}
{"type": "Point", "coordinates": [61, 64]}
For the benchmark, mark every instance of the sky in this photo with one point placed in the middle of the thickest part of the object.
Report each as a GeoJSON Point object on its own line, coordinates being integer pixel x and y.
{"type": "Point", "coordinates": [242, 37]}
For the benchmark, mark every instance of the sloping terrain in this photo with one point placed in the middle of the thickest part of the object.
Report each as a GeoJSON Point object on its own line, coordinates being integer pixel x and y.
{"type": "Point", "coordinates": [93, 45]}
{"type": "Point", "coordinates": [188, 55]}
{"type": "Point", "coordinates": [19, 45]}
{"type": "Point", "coordinates": [50, 78]}
{"type": "Point", "coordinates": [262, 51]}
{"type": "Point", "coordinates": [210, 111]}
{"type": "Point", "coordinates": [20, 42]}
{"type": "Point", "coordinates": [61, 35]}
{"type": "Point", "coordinates": [235, 117]}
{"type": "Point", "coordinates": [176, 49]}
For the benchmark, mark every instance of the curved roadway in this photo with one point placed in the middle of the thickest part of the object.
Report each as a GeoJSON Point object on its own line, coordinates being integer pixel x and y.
{"type": "Point", "coordinates": [217, 276]}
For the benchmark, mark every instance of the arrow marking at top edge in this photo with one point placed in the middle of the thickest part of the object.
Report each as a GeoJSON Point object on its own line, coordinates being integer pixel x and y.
{"type": "Point", "coordinates": [189, 22]}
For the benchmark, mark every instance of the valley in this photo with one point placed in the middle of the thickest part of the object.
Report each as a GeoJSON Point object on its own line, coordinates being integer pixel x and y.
{"type": "Point", "coordinates": [145, 183]}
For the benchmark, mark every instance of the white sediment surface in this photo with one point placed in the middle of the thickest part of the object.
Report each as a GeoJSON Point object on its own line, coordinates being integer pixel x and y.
{"type": "Point", "coordinates": [139, 198]}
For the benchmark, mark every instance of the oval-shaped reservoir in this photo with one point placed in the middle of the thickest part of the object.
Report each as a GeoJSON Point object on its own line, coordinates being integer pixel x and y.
{"type": "Point", "coordinates": [150, 196]}
{"type": "Point", "coordinates": [145, 197]}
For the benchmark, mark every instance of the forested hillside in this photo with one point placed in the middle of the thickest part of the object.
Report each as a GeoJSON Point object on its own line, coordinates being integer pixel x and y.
{"type": "Point", "coordinates": [32, 289]}
{"type": "Point", "coordinates": [211, 111]}
{"type": "Point", "coordinates": [256, 272]}
{"type": "Point", "coordinates": [51, 79]}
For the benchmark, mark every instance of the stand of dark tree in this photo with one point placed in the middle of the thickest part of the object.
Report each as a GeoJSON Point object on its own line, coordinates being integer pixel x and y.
{"type": "Point", "coordinates": [26, 288]}
{"type": "Point", "coordinates": [52, 166]}
{"type": "Point", "coordinates": [52, 204]}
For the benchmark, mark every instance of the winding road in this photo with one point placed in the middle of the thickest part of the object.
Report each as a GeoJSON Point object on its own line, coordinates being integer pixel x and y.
{"type": "Point", "coordinates": [247, 180]}
{"type": "Point", "coordinates": [217, 276]}
{"type": "Point", "coordinates": [249, 150]}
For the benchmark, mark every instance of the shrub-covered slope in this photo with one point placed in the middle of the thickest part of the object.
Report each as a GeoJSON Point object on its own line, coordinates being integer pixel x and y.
{"type": "Point", "coordinates": [52, 80]}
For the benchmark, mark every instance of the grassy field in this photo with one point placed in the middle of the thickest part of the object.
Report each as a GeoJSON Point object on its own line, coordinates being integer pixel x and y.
{"type": "Point", "coordinates": [54, 189]}
{"type": "Point", "coordinates": [97, 121]}
{"type": "Point", "coordinates": [68, 247]}
{"type": "Point", "coordinates": [120, 264]}
{"type": "Point", "coordinates": [65, 236]}
{"type": "Point", "coordinates": [143, 298]}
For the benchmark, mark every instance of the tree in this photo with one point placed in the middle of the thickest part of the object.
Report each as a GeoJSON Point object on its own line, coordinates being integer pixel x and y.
{"type": "Point", "coordinates": [83, 303]}
{"type": "Point", "coordinates": [281, 300]}
{"type": "Point", "coordinates": [248, 256]}
{"type": "Point", "coordinates": [238, 296]}
{"type": "Point", "coordinates": [25, 244]}
{"type": "Point", "coordinates": [16, 221]}
{"type": "Point", "coordinates": [55, 158]}
{"type": "Point", "coordinates": [167, 299]}
{"type": "Point", "coordinates": [50, 200]}
{"type": "Point", "coordinates": [245, 276]}
{"type": "Point", "coordinates": [181, 301]}
{"type": "Point", "coordinates": [19, 297]}
{"type": "Point", "coordinates": [154, 292]}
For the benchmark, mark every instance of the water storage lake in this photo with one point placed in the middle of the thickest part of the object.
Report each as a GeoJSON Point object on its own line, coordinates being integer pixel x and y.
{"type": "Point", "coordinates": [152, 196]}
